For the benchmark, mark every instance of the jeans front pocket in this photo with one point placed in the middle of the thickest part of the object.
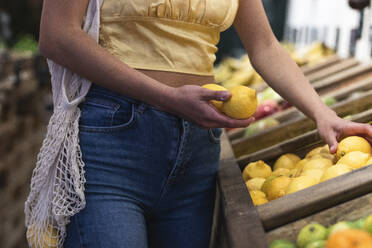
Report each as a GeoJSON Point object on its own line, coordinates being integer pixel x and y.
{"type": "Point", "coordinates": [215, 135]}
{"type": "Point", "coordinates": [102, 113]}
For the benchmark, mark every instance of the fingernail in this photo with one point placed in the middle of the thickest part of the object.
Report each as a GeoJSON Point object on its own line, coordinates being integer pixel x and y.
{"type": "Point", "coordinates": [224, 95]}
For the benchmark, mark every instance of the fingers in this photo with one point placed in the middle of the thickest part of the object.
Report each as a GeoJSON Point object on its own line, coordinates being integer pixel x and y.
{"type": "Point", "coordinates": [331, 139]}
{"type": "Point", "coordinates": [357, 129]}
{"type": "Point", "coordinates": [217, 119]}
{"type": "Point", "coordinates": [208, 95]}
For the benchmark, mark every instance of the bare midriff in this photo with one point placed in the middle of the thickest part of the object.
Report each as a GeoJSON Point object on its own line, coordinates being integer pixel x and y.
{"type": "Point", "coordinates": [176, 79]}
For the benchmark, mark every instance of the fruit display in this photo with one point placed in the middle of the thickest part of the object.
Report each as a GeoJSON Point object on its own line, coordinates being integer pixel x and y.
{"type": "Point", "coordinates": [290, 173]}
{"type": "Point", "coordinates": [239, 71]}
{"type": "Point", "coordinates": [242, 103]}
{"type": "Point", "coordinates": [343, 234]}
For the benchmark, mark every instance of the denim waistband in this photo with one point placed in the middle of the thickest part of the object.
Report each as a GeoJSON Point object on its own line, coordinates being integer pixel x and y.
{"type": "Point", "coordinates": [95, 88]}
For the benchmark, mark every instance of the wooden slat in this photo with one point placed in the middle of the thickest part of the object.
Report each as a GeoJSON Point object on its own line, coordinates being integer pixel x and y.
{"type": "Point", "coordinates": [328, 61]}
{"type": "Point", "coordinates": [333, 69]}
{"type": "Point", "coordinates": [346, 77]}
{"type": "Point", "coordinates": [316, 198]}
{"type": "Point", "coordinates": [348, 211]}
{"type": "Point", "coordinates": [297, 126]}
{"type": "Point", "coordinates": [240, 220]}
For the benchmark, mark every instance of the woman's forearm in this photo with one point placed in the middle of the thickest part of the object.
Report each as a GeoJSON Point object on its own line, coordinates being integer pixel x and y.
{"type": "Point", "coordinates": [284, 76]}
{"type": "Point", "coordinates": [81, 54]}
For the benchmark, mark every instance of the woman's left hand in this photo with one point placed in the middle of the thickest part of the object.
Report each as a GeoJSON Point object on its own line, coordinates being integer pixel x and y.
{"type": "Point", "coordinates": [333, 128]}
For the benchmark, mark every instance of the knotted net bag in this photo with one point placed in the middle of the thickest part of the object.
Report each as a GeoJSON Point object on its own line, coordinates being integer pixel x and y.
{"type": "Point", "coordinates": [57, 183]}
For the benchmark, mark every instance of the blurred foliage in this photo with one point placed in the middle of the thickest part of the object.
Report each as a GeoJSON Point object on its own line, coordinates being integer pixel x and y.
{"type": "Point", "coordinates": [26, 43]}
{"type": "Point", "coordinates": [25, 18]}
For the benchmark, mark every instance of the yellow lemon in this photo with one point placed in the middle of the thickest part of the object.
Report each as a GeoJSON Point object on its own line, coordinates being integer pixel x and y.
{"type": "Point", "coordinates": [258, 197]}
{"type": "Point", "coordinates": [314, 151]}
{"type": "Point", "coordinates": [318, 163]}
{"type": "Point", "coordinates": [278, 187]}
{"type": "Point", "coordinates": [268, 181]}
{"type": "Point", "coordinates": [49, 237]}
{"type": "Point", "coordinates": [353, 143]}
{"type": "Point", "coordinates": [325, 149]}
{"type": "Point", "coordinates": [315, 173]}
{"type": "Point", "coordinates": [324, 155]}
{"type": "Point", "coordinates": [259, 201]}
{"type": "Point", "coordinates": [288, 161]}
{"type": "Point", "coordinates": [300, 183]}
{"type": "Point", "coordinates": [281, 172]}
{"type": "Point", "coordinates": [215, 87]}
{"type": "Point", "coordinates": [242, 104]}
{"type": "Point", "coordinates": [256, 169]}
{"type": "Point", "coordinates": [300, 164]}
{"type": "Point", "coordinates": [255, 183]}
{"type": "Point", "coordinates": [355, 159]}
{"type": "Point", "coordinates": [294, 173]}
{"type": "Point", "coordinates": [369, 162]}
{"type": "Point", "coordinates": [335, 171]}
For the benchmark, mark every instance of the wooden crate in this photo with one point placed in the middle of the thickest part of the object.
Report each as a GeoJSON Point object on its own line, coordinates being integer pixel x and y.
{"type": "Point", "coordinates": [279, 216]}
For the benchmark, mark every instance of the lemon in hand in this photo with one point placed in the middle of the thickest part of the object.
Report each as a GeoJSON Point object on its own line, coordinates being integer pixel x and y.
{"type": "Point", "coordinates": [215, 87]}
{"type": "Point", "coordinates": [242, 104]}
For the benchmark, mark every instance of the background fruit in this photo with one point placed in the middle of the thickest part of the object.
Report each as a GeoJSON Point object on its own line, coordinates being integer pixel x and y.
{"type": "Point", "coordinates": [369, 162]}
{"type": "Point", "coordinates": [300, 183]}
{"type": "Point", "coordinates": [260, 125]}
{"type": "Point", "coordinates": [339, 226]}
{"type": "Point", "coordinates": [316, 244]}
{"type": "Point", "coordinates": [282, 244]}
{"type": "Point", "coordinates": [311, 233]}
{"type": "Point", "coordinates": [318, 163]}
{"type": "Point", "coordinates": [277, 187]}
{"type": "Point", "coordinates": [287, 161]}
{"type": "Point", "coordinates": [215, 87]}
{"type": "Point", "coordinates": [359, 224]}
{"type": "Point", "coordinates": [315, 173]}
{"type": "Point", "coordinates": [368, 224]}
{"type": "Point", "coordinates": [258, 197]}
{"type": "Point", "coordinates": [350, 239]}
{"type": "Point", "coordinates": [255, 183]}
{"type": "Point", "coordinates": [267, 183]}
{"type": "Point", "coordinates": [314, 151]}
{"type": "Point", "coordinates": [256, 169]}
{"type": "Point", "coordinates": [242, 104]}
{"type": "Point", "coordinates": [354, 159]}
{"type": "Point", "coordinates": [281, 172]}
{"type": "Point", "coordinates": [353, 143]}
{"type": "Point", "coordinates": [335, 171]}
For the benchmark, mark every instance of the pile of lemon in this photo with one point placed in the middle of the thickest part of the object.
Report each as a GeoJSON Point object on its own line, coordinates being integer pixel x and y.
{"type": "Point", "coordinates": [291, 173]}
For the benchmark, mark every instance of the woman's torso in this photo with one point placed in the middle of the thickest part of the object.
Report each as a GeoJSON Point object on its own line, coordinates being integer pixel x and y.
{"type": "Point", "coordinates": [212, 15]}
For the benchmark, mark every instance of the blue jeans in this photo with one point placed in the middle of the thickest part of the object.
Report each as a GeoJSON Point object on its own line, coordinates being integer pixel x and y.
{"type": "Point", "coordinates": [150, 176]}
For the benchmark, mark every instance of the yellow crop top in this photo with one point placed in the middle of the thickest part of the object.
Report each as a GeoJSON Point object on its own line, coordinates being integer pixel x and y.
{"type": "Point", "coordinates": [166, 35]}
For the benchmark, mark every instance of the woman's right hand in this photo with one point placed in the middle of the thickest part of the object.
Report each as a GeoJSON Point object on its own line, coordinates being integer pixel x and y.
{"type": "Point", "coordinates": [192, 102]}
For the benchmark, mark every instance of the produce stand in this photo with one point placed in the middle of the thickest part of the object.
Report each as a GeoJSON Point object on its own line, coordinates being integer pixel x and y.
{"type": "Point", "coordinates": [347, 197]}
